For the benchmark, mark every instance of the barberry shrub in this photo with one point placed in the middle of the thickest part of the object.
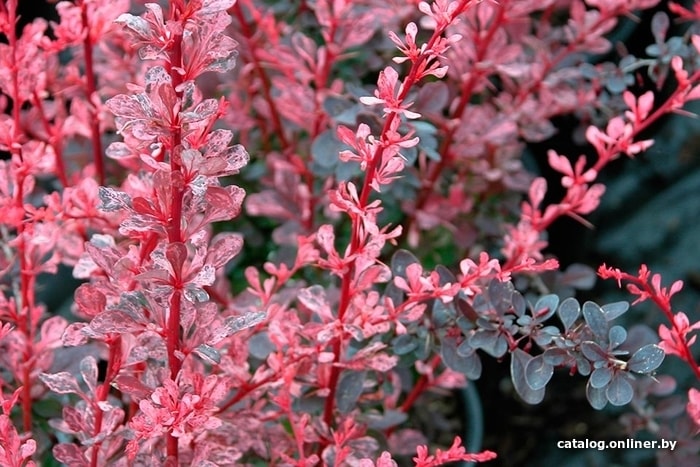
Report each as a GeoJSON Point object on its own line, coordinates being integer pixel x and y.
{"type": "Point", "coordinates": [291, 219]}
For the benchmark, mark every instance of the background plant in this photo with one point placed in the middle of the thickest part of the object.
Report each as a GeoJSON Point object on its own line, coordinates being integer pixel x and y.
{"type": "Point", "coordinates": [369, 167]}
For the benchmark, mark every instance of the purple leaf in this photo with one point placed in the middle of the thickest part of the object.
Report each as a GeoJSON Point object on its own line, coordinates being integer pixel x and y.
{"type": "Point", "coordinates": [616, 336]}
{"type": "Point", "coordinates": [614, 310]}
{"type": "Point", "coordinates": [595, 318]}
{"type": "Point", "coordinates": [646, 359]}
{"type": "Point", "coordinates": [568, 312]}
{"type": "Point", "coordinates": [600, 377]}
{"type": "Point", "coordinates": [596, 397]}
{"type": "Point", "coordinates": [60, 383]}
{"type": "Point", "coordinates": [519, 360]}
{"type": "Point", "coordinates": [593, 352]}
{"type": "Point", "coordinates": [349, 390]}
{"type": "Point", "coordinates": [579, 276]}
{"type": "Point", "coordinates": [500, 295]}
{"type": "Point", "coordinates": [619, 391]}
{"type": "Point", "coordinates": [538, 372]}
{"type": "Point", "coordinates": [469, 366]}
{"type": "Point", "coordinates": [400, 261]}
{"type": "Point", "coordinates": [545, 307]}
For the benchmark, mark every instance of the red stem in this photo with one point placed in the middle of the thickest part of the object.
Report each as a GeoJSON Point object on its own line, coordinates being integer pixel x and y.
{"type": "Point", "coordinates": [26, 301]}
{"type": "Point", "coordinates": [265, 82]}
{"type": "Point", "coordinates": [91, 91]}
{"type": "Point", "coordinates": [113, 367]}
{"type": "Point", "coordinates": [346, 287]}
{"type": "Point", "coordinates": [173, 338]}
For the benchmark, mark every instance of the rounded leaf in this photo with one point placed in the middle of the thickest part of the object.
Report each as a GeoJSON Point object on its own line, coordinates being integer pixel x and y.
{"type": "Point", "coordinates": [596, 397]}
{"type": "Point", "coordinates": [545, 307]}
{"type": "Point", "coordinates": [646, 359]}
{"type": "Point", "coordinates": [469, 366]}
{"type": "Point", "coordinates": [600, 377]}
{"type": "Point", "coordinates": [538, 372]}
{"type": "Point", "coordinates": [400, 261]}
{"type": "Point", "coordinates": [619, 391]}
{"type": "Point", "coordinates": [617, 336]}
{"type": "Point", "coordinates": [404, 344]}
{"type": "Point", "coordinates": [568, 312]}
{"type": "Point", "coordinates": [615, 309]}
{"type": "Point", "coordinates": [349, 390]}
{"type": "Point", "coordinates": [518, 362]}
{"type": "Point", "coordinates": [595, 318]}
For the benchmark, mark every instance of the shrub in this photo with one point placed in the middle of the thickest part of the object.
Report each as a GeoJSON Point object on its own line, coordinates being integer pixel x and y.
{"type": "Point", "coordinates": [377, 181]}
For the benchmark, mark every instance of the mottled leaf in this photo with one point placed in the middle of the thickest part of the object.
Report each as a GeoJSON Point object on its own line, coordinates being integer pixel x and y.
{"type": "Point", "coordinates": [88, 370]}
{"type": "Point", "coordinates": [60, 383]}
{"type": "Point", "coordinates": [239, 323]}
{"type": "Point", "coordinates": [113, 200]}
{"type": "Point", "coordinates": [70, 454]}
{"type": "Point", "coordinates": [646, 359]}
{"type": "Point", "coordinates": [208, 353]}
{"type": "Point", "coordinates": [137, 24]}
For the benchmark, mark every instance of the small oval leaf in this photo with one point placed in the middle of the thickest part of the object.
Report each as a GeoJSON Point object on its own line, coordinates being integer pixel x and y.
{"type": "Point", "coordinates": [619, 391]}
{"type": "Point", "coordinates": [538, 372]}
{"type": "Point", "coordinates": [646, 359]}
{"type": "Point", "coordinates": [545, 307]}
{"type": "Point", "coordinates": [595, 318]}
{"type": "Point", "coordinates": [518, 362]}
{"type": "Point", "coordinates": [615, 309]}
{"type": "Point", "coordinates": [600, 377]}
{"type": "Point", "coordinates": [349, 390]}
{"type": "Point", "coordinates": [568, 312]}
{"type": "Point", "coordinates": [617, 336]}
{"type": "Point", "coordinates": [596, 397]}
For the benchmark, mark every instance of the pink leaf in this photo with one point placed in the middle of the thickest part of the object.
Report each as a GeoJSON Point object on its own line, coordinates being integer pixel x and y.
{"type": "Point", "coordinates": [224, 247]}
{"type": "Point", "coordinates": [70, 454]}
{"type": "Point", "coordinates": [61, 383]}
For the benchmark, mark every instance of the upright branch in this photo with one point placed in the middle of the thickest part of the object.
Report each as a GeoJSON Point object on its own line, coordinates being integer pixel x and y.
{"type": "Point", "coordinates": [91, 93]}
{"type": "Point", "coordinates": [380, 159]}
